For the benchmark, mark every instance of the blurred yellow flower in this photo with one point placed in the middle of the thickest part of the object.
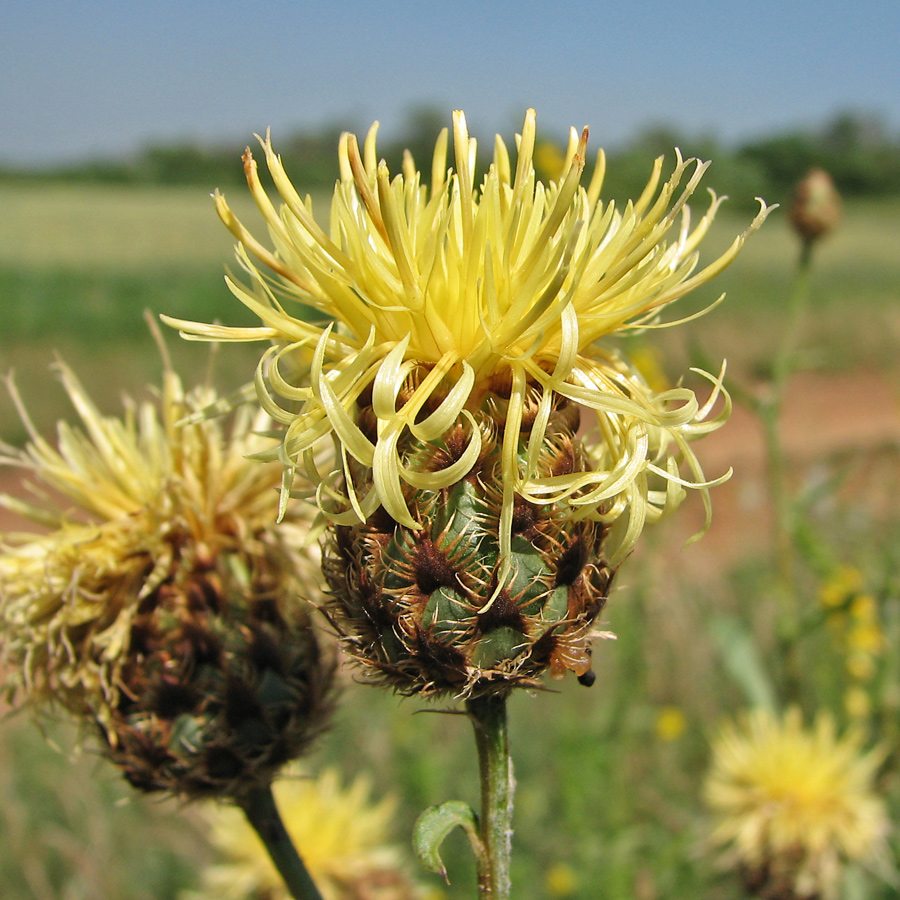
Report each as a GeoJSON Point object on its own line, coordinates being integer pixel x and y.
{"type": "Point", "coordinates": [864, 608]}
{"type": "Point", "coordinates": [549, 160]}
{"type": "Point", "coordinates": [844, 583]}
{"type": "Point", "coordinates": [434, 893]}
{"type": "Point", "coordinates": [861, 666]}
{"type": "Point", "coordinates": [648, 361]}
{"type": "Point", "coordinates": [854, 620]}
{"type": "Point", "coordinates": [857, 703]}
{"type": "Point", "coordinates": [670, 723]}
{"type": "Point", "coordinates": [561, 881]}
{"type": "Point", "coordinates": [794, 805]}
{"type": "Point", "coordinates": [865, 635]}
{"type": "Point", "coordinates": [339, 831]}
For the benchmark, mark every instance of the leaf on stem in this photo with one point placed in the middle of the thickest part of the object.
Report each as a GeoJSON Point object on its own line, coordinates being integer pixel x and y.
{"type": "Point", "coordinates": [435, 824]}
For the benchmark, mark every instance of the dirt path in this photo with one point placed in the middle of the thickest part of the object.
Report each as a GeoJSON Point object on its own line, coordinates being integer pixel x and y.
{"type": "Point", "coordinates": [849, 421]}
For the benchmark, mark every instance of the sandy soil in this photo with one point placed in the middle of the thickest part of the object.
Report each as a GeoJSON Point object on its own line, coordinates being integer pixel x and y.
{"type": "Point", "coordinates": [846, 421]}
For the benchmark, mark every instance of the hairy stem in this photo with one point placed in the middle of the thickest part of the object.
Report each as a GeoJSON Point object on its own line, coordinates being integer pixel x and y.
{"type": "Point", "coordinates": [488, 715]}
{"type": "Point", "coordinates": [262, 813]}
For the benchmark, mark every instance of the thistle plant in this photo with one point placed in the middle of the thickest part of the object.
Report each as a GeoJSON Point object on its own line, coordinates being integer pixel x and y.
{"type": "Point", "coordinates": [484, 455]}
{"type": "Point", "coordinates": [814, 212]}
{"type": "Point", "coordinates": [157, 600]}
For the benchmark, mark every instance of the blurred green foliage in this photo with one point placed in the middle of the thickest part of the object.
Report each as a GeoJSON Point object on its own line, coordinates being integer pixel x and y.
{"type": "Point", "coordinates": [855, 147]}
{"type": "Point", "coordinates": [71, 829]}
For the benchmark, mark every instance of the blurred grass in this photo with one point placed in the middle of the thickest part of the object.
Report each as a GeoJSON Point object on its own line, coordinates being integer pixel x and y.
{"type": "Point", "coordinates": [78, 264]}
{"type": "Point", "coordinates": [82, 228]}
{"type": "Point", "coordinates": [854, 318]}
{"type": "Point", "coordinates": [70, 829]}
{"type": "Point", "coordinates": [600, 791]}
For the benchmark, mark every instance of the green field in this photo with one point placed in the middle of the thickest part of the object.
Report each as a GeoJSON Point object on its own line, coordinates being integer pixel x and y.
{"type": "Point", "coordinates": [600, 791]}
{"type": "Point", "coordinates": [79, 264]}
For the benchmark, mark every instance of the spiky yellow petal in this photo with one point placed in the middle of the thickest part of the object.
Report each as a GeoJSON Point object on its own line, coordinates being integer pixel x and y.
{"type": "Point", "coordinates": [456, 287]}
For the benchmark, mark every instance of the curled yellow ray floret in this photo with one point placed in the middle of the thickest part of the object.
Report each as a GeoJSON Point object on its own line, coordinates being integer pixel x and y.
{"type": "Point", "coordinates": [439, 292]}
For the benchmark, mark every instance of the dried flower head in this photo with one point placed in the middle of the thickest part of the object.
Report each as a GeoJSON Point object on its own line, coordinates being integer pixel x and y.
{"type": "Point", "coordinates": [158, 599]}
{"type": "Point", "coordinates": [339, 829]}
{"type": "Point", "coordinates": [794, 805]}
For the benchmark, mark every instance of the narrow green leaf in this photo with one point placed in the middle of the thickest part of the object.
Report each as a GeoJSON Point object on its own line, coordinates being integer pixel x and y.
{"type": "Point", "coordinates": [740, 656]}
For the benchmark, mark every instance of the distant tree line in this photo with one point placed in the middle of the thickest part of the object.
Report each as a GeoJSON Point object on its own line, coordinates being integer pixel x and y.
{"type": "Point", "coordinates": [856, 148]}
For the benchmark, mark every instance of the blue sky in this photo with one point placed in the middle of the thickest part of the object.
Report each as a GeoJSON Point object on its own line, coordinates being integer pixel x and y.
{"type": "Point", "coordinates": [80, 78]}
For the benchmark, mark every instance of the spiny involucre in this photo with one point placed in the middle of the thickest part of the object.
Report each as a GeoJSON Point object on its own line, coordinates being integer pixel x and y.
{"type": "Point", "coordinates": [446, 340]}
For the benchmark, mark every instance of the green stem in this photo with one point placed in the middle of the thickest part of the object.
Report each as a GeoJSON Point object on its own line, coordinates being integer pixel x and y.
{"type": "Point", "coordinates": [488, 715]}
{"type": "Point", "coordinates": [776, 466]}
{"type": "Point", "coordinates": [770, 410]}
{"type": "Point", "coordinates": [262, 813]}
{"type": "Point", "coordinates": [786, 358]}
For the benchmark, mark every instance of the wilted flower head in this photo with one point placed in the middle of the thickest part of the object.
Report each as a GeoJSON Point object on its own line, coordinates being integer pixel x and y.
{"type": "Point", "coordinates": [423, 302]}
{"type": "Point", "coordinates": [158, 599]}
{"type": "Point", "coordinates": [794, 805]}
{"type": "Point", "coordinates": [339, 830]}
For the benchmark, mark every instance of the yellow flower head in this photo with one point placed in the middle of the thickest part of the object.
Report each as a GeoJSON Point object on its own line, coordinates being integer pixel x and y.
{"type": "Point", "coordinates": [158, 592]}
{"type": "Point", "coordinates": [671, 723]}
{"type": "Point", "coordinates": [838, 590]}
{"type": "Point", "coordinates": [793, 805]}
{"type": "Point", "coordinates": [338, 830]}
{"type": "Point", "coordinates": [560, 881]}
{"type": "Point", "coordinates": [420, 300]}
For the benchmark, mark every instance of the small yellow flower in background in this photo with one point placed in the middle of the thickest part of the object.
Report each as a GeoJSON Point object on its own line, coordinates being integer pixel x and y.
{"type": "Point", "coordinates": [863, 607]}
{"type": "Point", "coordinates": [339, 831]}
{"type": "Point", "coordinates": [865, 633]}
{"type": "Point", "coordinates": [861, 666]}
{"type": "Point", "coordinates": [157, 599]}
{"type": "Point", "coordinates": [857, 703]}
{"type": "Point", "coordinates": [433, 893]}
{"type": "Point", "coordinates": [854, 619]}
{"type": "Point", "coordinates": [442, 342]}
{"type": "Point", "coordinates": [793, 805]}
{"type": "Point", "coordinates": [844, 583]}
{"type": "Point", "coordinates": [670, 723]}
{"type": "Point", "coordinates": [560, 881]}
{"type": "Point", "coordinates": [648, 361]}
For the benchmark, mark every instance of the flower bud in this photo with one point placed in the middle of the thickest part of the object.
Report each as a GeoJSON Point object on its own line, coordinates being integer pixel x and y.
{"type": "Point", "coordinates": [816, 206]}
